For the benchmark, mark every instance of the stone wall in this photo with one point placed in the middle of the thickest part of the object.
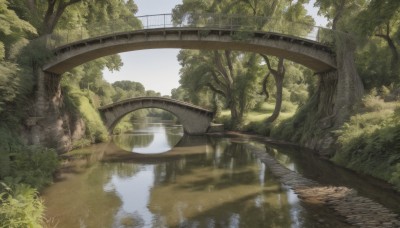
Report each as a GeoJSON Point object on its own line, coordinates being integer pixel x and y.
{"type": "Point", "coordinates": [52, 126]}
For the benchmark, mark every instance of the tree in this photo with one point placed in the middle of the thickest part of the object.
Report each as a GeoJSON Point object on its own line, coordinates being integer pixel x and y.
{"type": "Point", "coordinates": [224, 71]}
{"type": "Point", "coordinates": [11, 29]}
{"type": "Point", "coordinates": [380, 19]}
{"type": "Point", "coordinates": [278, 74]}
{"type": "Point", "coordinates": [338, 10]}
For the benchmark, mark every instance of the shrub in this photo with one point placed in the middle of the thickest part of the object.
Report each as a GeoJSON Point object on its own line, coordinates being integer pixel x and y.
{"type": "Point", "coordinates": [370, 142]}
{"type": "Point", "coordinates": [95, 129]}
{"type": "Point", "coordinates": [20, 207]}
{"type": "Point", "coordinates": [288, 106]}
{"type": "Point", "coordinates": [34, 165]}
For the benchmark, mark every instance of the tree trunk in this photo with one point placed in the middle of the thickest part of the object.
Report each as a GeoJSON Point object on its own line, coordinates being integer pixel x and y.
{"type": "Point", "coordinates": [278, 74]}
{"type": "Point", "coordinates": [394, 64]}
{"type": "Point", "coordinates": [278, 102]}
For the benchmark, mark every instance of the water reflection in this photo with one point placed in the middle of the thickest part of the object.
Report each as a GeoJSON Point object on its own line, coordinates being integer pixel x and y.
{"type": "Point", "coordinates": [224, 186]}
{"type": "Point", "coordinates": [150, 138]}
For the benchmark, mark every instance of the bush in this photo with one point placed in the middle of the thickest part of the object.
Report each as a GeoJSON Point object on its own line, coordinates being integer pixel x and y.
{"type": "Point", "coordinates": [373, 103]}
{"type": "Point", "coordinates": [34, 165]}
{"type": "Point", "coordinates": [20, 207]}
{"type": "Point", "coordinates": [370, 142]}
{"type": "Point", "coordinates": [288, 106]}
{"type": "Point", "coordinates": [95, 129]}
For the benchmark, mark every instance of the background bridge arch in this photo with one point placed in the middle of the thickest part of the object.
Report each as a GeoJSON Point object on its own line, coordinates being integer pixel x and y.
{"type": "Point", "coordinates": [195, 120]}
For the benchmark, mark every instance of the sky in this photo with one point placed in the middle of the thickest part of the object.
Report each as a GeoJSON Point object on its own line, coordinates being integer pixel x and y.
{"type": "Point", "coordinates": [158, 69]}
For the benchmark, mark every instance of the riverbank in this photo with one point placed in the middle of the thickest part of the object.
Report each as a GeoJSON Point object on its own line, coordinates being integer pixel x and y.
{"type": "Point", "coordinates": [323, 170]}
{"type": "Point", "coordinates": [357, 210]}
{"type": "Point", "coordinates": [254, 136]}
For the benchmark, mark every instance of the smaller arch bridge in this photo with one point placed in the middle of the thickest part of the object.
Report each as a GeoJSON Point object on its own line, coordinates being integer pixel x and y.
{"type": "Point", "coordinates": [194, 119]}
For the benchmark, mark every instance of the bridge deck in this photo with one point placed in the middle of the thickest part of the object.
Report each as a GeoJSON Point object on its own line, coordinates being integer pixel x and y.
{"type": "Point", "coordinates": [157, 99]}
{"type": "Point", "coordinates": [314, 55]}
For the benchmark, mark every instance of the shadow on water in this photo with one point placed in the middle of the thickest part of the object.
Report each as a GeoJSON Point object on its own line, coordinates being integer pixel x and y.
{"type": "Point", "coordinates": [325, 172]}
{"type": "Point", "coordinates": [201, 182]}
{"type": "Point", "coordinates": [187, 145]}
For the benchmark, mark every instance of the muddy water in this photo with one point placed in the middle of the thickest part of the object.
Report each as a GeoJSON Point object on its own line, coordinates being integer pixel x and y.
{"type": "Point", "coordinates": [201, 182]}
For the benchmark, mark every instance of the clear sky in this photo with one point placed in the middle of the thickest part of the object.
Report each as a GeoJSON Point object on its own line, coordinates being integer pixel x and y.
{"type": "Point", "coordinates": [158, 69]}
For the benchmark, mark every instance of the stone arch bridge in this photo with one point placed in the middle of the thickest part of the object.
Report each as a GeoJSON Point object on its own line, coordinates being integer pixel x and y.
{"type": "Point", "coordinates": [194, 119]}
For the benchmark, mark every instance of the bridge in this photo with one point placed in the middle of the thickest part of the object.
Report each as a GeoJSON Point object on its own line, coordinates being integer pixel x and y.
{"type": "Point", "coordinates": [308, 45]}
{"type": "Point", "coordinates": [194, 119]}
{"type": "Point", "coordinates": [205, 31]}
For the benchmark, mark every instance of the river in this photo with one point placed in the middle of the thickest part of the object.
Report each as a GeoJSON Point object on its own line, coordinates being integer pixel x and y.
{"type": "Point", "coordinates": [157, 177]}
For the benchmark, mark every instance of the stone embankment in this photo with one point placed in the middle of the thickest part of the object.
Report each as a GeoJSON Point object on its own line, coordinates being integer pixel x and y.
{"type": "Point", "coordinates": [357, 210]}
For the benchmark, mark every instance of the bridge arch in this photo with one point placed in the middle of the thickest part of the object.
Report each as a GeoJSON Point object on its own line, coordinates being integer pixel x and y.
{"type": "Point", "coordinates": [311, 54]}
{"type": "Point", "coordinates": [195, 120]}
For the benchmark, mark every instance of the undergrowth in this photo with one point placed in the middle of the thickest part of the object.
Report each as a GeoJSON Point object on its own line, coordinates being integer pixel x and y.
{"type": "Point", "coordinates": [23, 171]}
{"type": "Point", "coordinates": [370, 140]}
{"type": "Point", "coordinates": [78, 100]}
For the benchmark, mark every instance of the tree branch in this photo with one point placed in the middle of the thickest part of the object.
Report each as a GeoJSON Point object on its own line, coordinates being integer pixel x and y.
{"type": "Point", "coordinates": [229, 63]}
{"type": "Point", "coordinates": [274, 72]}
{"type": "Point", "coordinates": [212, 87]}
{"type": "Point", "coordinates": [218, 81]}
{"type": "Point", "coordinates": [264, 86]}
{"type": "Point", "coordinates": [220, 68]}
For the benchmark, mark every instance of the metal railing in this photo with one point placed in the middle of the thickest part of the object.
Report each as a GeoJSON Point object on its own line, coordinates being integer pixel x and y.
{"type": "Point", "coordinates": [207, 21]}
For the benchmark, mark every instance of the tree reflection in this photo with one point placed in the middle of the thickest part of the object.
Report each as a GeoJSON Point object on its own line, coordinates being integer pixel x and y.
{"type": "Point", "coordinates": [223, 189]}
{"type": "Point", "coordinates": [225, 186]}
{"type": "Point", "coordinates": [129, 141]}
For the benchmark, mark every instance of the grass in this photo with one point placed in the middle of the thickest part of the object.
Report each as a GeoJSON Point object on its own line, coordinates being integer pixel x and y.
{"type": "Point", "coordinates": [254, 121]}
{"type": "Point", "coordinates": [370, 141]}
{"type": "Point", "coordinates": [95, 129]}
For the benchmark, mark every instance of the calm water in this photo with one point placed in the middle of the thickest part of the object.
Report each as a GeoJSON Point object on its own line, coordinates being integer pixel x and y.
{"type": "Point", "coordinates": [202, 182]}
{"type": "Point", "coordinates": [150, 138]}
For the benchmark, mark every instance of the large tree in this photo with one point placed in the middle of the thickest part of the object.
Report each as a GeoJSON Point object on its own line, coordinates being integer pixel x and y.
{"type": "Point", "coordinates": [381, 19]}
{"type": "Point", "coordinates": [224, 75]}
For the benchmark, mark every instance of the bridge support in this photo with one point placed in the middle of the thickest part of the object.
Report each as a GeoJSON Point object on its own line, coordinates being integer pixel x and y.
{"type": "Point", "coordinates": [338, 91]}
{"type": "Point", "coordinates": [49, 125]}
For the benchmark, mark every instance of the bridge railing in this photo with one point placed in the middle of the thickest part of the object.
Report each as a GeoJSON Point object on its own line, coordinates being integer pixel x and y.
{"type": "Point", "coordinates": [206, 21]}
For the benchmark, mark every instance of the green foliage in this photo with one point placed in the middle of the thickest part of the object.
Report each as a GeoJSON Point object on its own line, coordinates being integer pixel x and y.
{"type": "Point", "coordinates": [9, 83]}
{"type": "Point", "coordinates": [372, 64]}
{"type": "Point", "coordinates": [395, 177]}
{"type": "Point", "coordinates": [129, 89]}
{"type": "Point", "coordinates": [35, 53]}
{"type": "Point", "coordinates": [300, 127]}
{"type": "Point", "coordinates": [81, 143]}
{"type": "Point", "coordinates": [9, 142]}
{"type": "Point", "coordinates": [12, 28]}
{"type": "Point", "coordinates": [95, 129]}
{"type": "Point", "coordinates": [34, 165]}
{"type": "Point", "coordinates": [288, 106]}
{"type": "Point", "coordinates": [23, 169]}
{"type": "Point", "coordinates": [370, 141]}
{"type": "Point", "coordinates": [20, 207]}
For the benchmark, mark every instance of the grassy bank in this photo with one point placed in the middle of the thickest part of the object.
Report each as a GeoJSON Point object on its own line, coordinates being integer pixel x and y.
{"type": "Point", "coordinates": [25, 170]}
{"type": "Point", "coordinates": [370, 141]}
{"type": "Point", "coordinates": [254, 121]}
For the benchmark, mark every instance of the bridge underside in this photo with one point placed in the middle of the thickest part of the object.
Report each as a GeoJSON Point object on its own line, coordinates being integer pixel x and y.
{"type": "Point", "coordinates": [195, 120]}
{"type": "Point", "coordinates": [308, 53]}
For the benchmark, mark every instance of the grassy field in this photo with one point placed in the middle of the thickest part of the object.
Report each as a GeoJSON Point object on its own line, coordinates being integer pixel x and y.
{"type": "Point", "coordinates": [254, 121]}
